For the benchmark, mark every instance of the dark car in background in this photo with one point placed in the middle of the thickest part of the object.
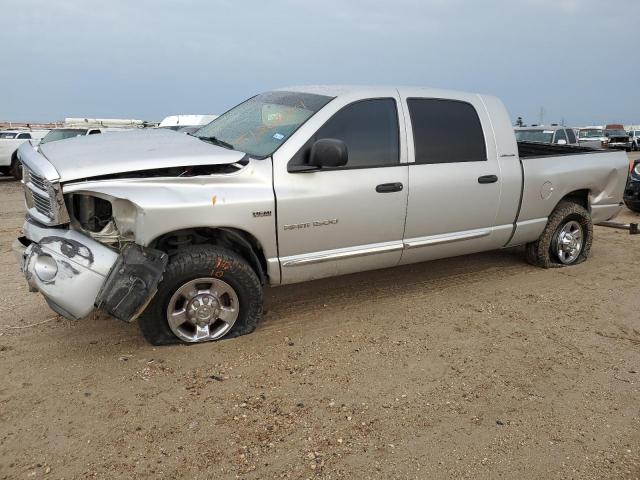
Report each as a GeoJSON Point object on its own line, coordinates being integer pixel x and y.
{"type": "Point", "coordinates": [632, 191]}
{"type": "Point", "coordinates": [617, 138]}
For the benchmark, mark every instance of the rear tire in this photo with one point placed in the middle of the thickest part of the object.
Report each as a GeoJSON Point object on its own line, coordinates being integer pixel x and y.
{"type": "Point", "coordinates": [192, 281]}
{"type": "Point", "coordinates": [566, 223]}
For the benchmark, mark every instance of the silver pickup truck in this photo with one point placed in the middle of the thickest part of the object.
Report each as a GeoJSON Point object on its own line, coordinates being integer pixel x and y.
{"type": "Point", "coordinates": [183, 232]}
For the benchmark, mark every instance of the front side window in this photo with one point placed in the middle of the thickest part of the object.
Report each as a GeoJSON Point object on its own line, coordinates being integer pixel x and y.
{"type": "Point", "coordinates": [369, 129]}
{"type": "Point", "coordinates": [560, 135]}
{"type": "Point", "coordinates": [261, 124]}
{"type": "Point", "coordinates": [571, 136]}
{"type": "Point", "coordinates": [446, 131]}
{"type": "Point", "coordinates": [24, 136]}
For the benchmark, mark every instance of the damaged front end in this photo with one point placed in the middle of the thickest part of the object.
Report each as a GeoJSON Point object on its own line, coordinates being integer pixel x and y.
{"type": "Point", "coordinates": [76, 256]}
{"type": "Point", "coordinates": [76, 274]}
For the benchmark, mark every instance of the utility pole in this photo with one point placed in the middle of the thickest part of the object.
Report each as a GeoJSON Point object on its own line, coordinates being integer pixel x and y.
{"type": "Point", "coordinates": [541, 122]}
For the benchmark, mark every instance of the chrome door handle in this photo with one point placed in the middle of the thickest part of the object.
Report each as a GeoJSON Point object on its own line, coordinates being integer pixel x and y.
{"type": "Point", "coordinates": [389, 187]}
{"type": "Point", "coordinates": [488, 179]}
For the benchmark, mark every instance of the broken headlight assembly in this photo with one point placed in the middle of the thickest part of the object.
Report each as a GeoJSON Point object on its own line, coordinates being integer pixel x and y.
{"type": "Point", "coordinates": [104, 218]}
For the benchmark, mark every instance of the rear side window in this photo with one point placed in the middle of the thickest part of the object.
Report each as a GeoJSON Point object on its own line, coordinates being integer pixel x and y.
{"type": "Point", "coordinates": [94, 132]}
{"type": "Point", "coordinates": [446, 131]}
{"type": "Point", "coordinates": [370, 130]}
{"type": "Point", "coordinates": [571, 136]}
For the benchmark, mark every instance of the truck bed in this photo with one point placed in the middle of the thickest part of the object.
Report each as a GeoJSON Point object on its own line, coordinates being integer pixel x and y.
{"type": "Point", "coordinates": [534, 149]}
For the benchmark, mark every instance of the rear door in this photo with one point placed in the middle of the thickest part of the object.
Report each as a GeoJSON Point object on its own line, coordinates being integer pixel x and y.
{"type": "Point", "coordinates": [454, 178]}
{"type": "Point", "coordinates": [341, 220]}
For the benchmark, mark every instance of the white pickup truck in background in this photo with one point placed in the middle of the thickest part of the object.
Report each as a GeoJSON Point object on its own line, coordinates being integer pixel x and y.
{"type": "Point", "coordinates": [10, 141]}
{"type": "Point", "coordinates": [292, 185]}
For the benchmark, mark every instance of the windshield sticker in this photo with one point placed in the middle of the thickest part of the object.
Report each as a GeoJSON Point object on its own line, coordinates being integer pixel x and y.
{"type": "Point", "coordinates": [278, 136]}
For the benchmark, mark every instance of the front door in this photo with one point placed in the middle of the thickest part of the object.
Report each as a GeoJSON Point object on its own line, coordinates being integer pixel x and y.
{"type": "Point", "coordinates": [340, 220]}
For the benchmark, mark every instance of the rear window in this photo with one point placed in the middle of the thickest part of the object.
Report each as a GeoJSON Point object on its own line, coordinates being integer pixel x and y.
{"type": "Point", "coordinates": [591, 133]}
{"type": "Point", "coordinates": [446, 131]}
{"type": "Point", "coordinates": [539, 136]}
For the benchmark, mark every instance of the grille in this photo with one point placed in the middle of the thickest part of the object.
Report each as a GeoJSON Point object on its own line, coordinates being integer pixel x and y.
{"type": "Point", "coordinates": [37, 194]}
{"type": "Point", "coordinates": [38, 182]}
{"type": "Point", "coordinates": [42, 204]}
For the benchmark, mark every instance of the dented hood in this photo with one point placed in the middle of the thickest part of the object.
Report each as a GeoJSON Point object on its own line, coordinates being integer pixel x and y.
{"type": "Point", "coordinates": [130, 151]}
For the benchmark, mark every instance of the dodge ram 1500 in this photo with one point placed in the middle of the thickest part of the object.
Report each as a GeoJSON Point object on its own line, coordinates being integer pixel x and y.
{"type": "Point", "coordinates": [183, 231]}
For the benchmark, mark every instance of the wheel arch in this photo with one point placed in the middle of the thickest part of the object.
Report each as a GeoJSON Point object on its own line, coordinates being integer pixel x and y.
{"type": "Point", "coordinates": [240, 241]}
{"type": "Point", "coordinates": [581, 197]}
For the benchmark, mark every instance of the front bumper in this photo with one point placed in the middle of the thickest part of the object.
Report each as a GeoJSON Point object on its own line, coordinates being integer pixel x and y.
{"type": "Point", "coordinates": [620, 145]}
{"type": "Point", "coordinates": [66, 267]}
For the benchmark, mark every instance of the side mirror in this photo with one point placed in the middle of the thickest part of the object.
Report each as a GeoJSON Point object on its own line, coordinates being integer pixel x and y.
{"type": "Point", "coordinates": [562, 141]}
{"type": "Point", "coordinates": [328, 152]}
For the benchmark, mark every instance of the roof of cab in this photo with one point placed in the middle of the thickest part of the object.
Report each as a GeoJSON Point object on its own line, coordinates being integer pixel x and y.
{"type": "Point", "coordinates": [337, 90]}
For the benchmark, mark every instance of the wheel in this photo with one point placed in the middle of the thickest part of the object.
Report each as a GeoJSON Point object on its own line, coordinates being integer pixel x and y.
{"type": "Point", "coordinates": [634, 207]}
{"type": "Point", "coordinates": [16, 168]}
{"type": "Point", "coordinates": [206, 293]}
{"type": "Point", "coordinates": [566, 240]}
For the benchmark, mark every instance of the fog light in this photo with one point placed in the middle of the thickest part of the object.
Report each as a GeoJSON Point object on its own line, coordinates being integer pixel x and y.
{"type": "Point", "coordinates": [45, 267]}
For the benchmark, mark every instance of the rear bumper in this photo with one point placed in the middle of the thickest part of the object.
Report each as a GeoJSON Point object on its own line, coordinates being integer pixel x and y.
{"type": "Point", "coordinates": [66, 267]}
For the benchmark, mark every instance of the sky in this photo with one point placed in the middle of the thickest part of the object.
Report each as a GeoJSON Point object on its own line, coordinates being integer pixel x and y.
{"type": "Point", "coordinates": [579, 60]}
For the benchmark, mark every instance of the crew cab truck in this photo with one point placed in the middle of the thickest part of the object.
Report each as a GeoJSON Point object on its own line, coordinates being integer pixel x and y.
{"type": "Point", "coordinates": [182, 232]}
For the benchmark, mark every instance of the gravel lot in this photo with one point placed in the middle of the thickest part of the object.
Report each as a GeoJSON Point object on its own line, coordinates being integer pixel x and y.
{"type": "Point", "coordinates": [473, 367]}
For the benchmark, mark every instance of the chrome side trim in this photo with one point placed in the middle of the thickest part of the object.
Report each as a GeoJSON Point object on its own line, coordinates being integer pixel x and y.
{"type": "Point", "coordinates": [330, 255]}
{"type": "Point", "coordinates": [445, 238]}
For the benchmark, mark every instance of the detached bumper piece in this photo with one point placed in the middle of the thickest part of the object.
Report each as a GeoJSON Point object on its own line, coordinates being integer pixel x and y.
{"type": "Point", "coordinates": [132, 282]}
{"type": "Point", "coordinates": [76, 274]}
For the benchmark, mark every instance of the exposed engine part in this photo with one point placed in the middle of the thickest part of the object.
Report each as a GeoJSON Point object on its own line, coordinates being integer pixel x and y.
{"type": "Point", "coordinates": [92, 213]}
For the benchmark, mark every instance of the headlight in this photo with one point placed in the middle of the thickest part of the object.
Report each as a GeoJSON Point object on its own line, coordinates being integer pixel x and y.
{"type": "Point", "coordinates": [636, 169]}
{"type": "Point", "coordinates": [104, 218]}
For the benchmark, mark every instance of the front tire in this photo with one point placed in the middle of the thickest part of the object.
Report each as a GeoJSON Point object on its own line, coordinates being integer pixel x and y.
{"type": "Point", "coordinates": [206, 294]}
{"type": "Point", "coordinates": [566, 240]}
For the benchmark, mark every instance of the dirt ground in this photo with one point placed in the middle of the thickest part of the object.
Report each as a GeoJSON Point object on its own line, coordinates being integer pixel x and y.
{"type": "Point", "coordinates": [473, 367]}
